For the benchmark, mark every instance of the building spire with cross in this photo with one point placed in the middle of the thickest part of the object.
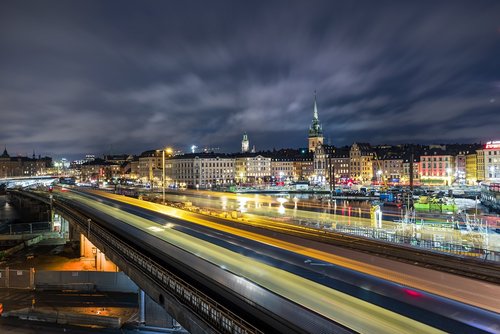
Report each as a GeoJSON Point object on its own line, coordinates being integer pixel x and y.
{"type": "Point", "coordinates": [315, 130]}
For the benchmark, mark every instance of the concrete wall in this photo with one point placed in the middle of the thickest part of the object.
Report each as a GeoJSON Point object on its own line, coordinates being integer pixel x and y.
{"type": "Point", "coordinates": [102, 281]}
{"type": "Point", "coordinates": [155, 315]}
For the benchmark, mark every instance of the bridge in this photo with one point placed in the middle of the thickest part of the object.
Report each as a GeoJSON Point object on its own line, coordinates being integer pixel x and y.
{"type": "Point", "coordinates": [28, 181]}
{"type": "Point", "coordinates": [215, 275]}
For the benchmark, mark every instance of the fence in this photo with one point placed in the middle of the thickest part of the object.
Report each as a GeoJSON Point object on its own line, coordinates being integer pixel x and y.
{"type": "Point", "coordinates": [66, 280]}
{"type": "Point", "coordinates": [17, 279]}
{"type": "Point", "coordinates": [402, 237]}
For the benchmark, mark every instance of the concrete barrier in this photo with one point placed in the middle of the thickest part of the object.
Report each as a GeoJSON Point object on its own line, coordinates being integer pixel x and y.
{"type": "Point", "coordinates": [69, 318]}
{"type": "Point", "coordinates": [100, 281]}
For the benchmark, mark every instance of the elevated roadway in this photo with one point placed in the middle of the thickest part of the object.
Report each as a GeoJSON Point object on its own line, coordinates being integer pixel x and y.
{"type": "Point", "coordinates": [309, 274]}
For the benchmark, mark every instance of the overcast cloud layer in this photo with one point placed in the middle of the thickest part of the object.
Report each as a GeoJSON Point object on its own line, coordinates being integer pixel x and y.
{"type": "Point", "coordinates": [119, 76]}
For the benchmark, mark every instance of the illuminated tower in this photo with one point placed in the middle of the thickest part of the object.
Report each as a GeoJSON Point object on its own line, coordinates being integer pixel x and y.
{"type": "Point", "coordinates": [245, 144]}
{"type": "Point", "coordinates": [315, 130]}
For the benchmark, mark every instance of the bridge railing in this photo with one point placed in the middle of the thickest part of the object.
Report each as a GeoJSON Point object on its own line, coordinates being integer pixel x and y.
{"type": "Point", "coordinates": [215, 314]}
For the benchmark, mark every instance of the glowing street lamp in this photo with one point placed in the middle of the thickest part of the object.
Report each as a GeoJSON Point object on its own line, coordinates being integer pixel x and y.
{"type": "Point", "coordinates": [169, 151]}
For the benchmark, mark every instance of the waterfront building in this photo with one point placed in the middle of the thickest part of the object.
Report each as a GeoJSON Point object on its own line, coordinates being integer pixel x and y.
{"type": "Point", "coordinates": [315, 130]}
{"type": "Point", "coordinates": [471, 171]}
{"type": "Point", "coordinates": [406, 169]}
{"type": "Point", "coordinates": [330, 161]}
{"type": "Point", "coordinates": [460, 166]}
{"type": "Point", "coordinates": [282, 169]}
{"type": "Point", "coordinates": [23, 166]}
{"type": "Point", "coordinates": [303, 167]}
{"type": "Point", "coordinates": [437, 167]}
{"type": "Point", "coordinates": [361, 162]}
{"type": "Point", "coordinates": [388, 168]}
{"type": "Point", "coordinates": [252, 168]}
{"type": "Point", "coordinates": [200, 170]}
{"type": "Point", "coordinates": [492, 161]}
{"type": "Point", "coordinates": [150, 166]}
{"type": "Point", "coordinates": [481, 175]}
{"type": "Point", "coordinates": [290, 164]}
{"type": "Point", "coordinates": [99, 170]}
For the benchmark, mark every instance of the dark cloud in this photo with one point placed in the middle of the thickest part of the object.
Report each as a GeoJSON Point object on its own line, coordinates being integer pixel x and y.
{"type": "Point", "coordinates": [96, 76]}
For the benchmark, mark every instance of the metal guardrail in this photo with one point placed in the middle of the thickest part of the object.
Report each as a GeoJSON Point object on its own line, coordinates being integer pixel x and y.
{"type": "Point", "coordinates": [205, 307]}
{"type": "Point", "coordinates": [434, 245]}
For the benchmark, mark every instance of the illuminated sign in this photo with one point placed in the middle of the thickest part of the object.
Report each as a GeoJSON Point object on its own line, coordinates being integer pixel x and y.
{"type": "Point", "coordinates": [493, 145]}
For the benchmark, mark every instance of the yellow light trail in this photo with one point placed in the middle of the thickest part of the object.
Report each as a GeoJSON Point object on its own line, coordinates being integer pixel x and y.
{"type": "Point", "coordinates": [484, 295]}
{"type": "Point", "coordinates": [351, 312]}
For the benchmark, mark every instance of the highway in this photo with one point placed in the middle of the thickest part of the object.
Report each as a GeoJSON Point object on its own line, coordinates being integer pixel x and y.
{"type": "Point", "coordinates": [351, 312]}
{"type": "Point", "coordinates": [314, 260]}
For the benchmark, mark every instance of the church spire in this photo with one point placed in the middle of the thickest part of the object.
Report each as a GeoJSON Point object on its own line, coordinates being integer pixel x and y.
{"type": "Point", "coordinates": [5, 154]}
{"type": "Point", "coordinates": [315, 115]}
{"type": "Point", "coordinates": [245, 143]}
{"type": "Point", "coordinates": [315, 130]}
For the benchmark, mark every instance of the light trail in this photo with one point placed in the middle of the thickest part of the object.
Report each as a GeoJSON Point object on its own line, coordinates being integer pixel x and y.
{"type": "Point", "coordinates": [484, 295]}
{"type": "Point", "coordinates": [351, 312]}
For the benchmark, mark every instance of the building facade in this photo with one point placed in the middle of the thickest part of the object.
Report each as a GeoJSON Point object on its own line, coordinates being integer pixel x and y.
{"type": "Point", "coordinates": [407, 167]}
{"type": "Point", "coordinates": [361, 162]}
{"type": "Point", "coordinates": [150, 167]}
{"type": "Point", "coordinates": [203, 170]}
{"type": "Point", "coordinates": [492, 161]}
{"type": "Point", "coordinates": [331, 162]}
{"type": "Point", "coordinates": [23, 166]}
{"type": "Point", "coordinates": [437, 167]}
{"type": "Point", "coordinates": [252, 168]}
{"type": "Point", "coordinates": [471, 172]}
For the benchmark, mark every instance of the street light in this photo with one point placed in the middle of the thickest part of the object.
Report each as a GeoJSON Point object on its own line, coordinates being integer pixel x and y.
{"type": "Point", "coordinates": [169, 151]}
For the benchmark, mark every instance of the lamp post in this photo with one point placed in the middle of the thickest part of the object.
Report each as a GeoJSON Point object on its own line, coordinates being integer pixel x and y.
{"type": "Point", "coordinates": [163, 151]}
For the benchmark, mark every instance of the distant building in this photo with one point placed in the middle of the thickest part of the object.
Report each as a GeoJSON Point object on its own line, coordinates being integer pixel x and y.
{"type": "Point", "coordinates": [150, 166]}
{"type": "Point", "coordinates": [361, 158]}
{"type": "Point", "coordinates": [330, 161]}
{"type": "Point", "coordinates": [315, 130]}
{"type": "Point", "coordinates": [99, 170]}
{"type": "Point", "coordinates": [437, 167]}
{"type": "Point", "coordinates": [471, 170]}
{"type": "Point", "coordinates": [480, 172]}
{"type": "Point", "coordinates": [492, 161]}
{"type": "Point", "coordinates": [252, 168]}
{"type": "Point", "coordinates": [23, 166]}
{"type": "Point", "coordinates": [288, 164]}
{"type": "Point", "coordinates": [388, 168]}
{"type": "Point", "coordinates": [200, 170]}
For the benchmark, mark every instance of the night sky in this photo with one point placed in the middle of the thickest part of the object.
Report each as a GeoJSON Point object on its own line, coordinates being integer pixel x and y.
{"type": "Point", "coordinates": [100, 77]}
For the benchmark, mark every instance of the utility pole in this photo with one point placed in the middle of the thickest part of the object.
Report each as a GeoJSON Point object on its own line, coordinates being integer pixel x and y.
{"type": "Point", "coordinates": [331, 176]}
{"type": "Point", "coordinates": [410, 204]}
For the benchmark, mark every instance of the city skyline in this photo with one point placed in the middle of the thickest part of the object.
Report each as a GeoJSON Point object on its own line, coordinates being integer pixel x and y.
{"type": "Point", "coordinates": [106, 78]}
